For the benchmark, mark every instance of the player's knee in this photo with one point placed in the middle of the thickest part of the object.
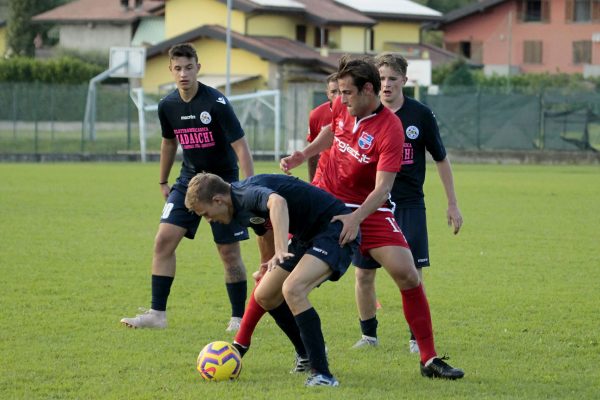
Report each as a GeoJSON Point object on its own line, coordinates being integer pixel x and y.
{"type": "Point", "coordinates": [264, 299]}
{"type": "Point", "coordinates": [292, 292]}
{"type": "Point", "coordinates": [365, 278]}
{"type": "Point", "coordinates": [164, 244]}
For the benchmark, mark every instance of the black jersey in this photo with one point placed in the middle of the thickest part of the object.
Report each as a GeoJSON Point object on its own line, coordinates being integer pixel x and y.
{"type": "Point", "coordinates": [310, 209]}
{"type": "Point", "coordinates": [420, 133]}
{"type": "Point", "coordinates": [205, 127]}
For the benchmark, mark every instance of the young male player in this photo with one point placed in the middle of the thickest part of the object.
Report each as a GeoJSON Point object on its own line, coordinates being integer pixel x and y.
{"type": "Point", "coordinates": [421, 134]}
{"type": "Point", "coordinates": [320, 117]}
{"type": "Point", "coordinates": [314, 255]}
{"type": "Point", "coordinates": [364, 139]}
{"type": "Point", "coordinates": [201, 120]}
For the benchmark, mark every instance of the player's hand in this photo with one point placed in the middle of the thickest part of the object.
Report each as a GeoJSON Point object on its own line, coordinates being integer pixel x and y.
{"type": "Point", "coordinates": [165, 189]}
{"type": "Point", "coordinates": [291, 161]}
{"type": "Point", "coordinates": [257, 275]}
{"type": "Point", "coordinates": [350, 228]}
{"type": "Point", "coordinates": [454, 218]}
{"type": "Point", "coordinates": [278, 259]}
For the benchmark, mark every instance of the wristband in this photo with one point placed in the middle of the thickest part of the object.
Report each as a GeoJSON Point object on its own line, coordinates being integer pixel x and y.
{"type": "Point", "coordinates": [163, 183]}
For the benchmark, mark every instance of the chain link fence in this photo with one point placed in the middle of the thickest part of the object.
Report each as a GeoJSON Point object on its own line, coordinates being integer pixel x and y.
{"type": "Point", "coordinates": [48, 119]}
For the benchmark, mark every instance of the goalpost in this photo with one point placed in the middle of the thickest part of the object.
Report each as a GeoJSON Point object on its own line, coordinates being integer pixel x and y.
{"type": "Point", "coordinates": [259, 114]}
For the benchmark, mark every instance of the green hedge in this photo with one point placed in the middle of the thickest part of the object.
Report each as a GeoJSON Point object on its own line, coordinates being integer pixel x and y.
{"type": "Point", "coordinates": [66, 70]}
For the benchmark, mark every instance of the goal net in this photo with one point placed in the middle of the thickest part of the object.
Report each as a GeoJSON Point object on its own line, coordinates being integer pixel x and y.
{"type": "Point", "coordinates": [259, 114]}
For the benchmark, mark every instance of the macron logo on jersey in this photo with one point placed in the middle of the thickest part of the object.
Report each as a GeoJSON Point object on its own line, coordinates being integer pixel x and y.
{"type": "Point", "coordinates": [221, 100]}
{"type": "Point", "coordinates": [186, 117]}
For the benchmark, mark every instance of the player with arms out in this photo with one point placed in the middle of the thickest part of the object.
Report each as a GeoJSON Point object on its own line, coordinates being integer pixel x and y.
{"type": "Point", "coordinates": [320, 117]}
{"type": "Point", "coordinates": [201, 120]}
{"type": "Point", "coordinates": [314, 255]}
{"type": "Point", "coordinates": [363, 162]}
{"type": "Point", "coordinates": [421, 134]}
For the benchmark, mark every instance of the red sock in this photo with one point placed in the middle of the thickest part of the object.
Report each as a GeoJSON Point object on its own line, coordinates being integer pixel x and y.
{"type": "Point", "coordinates": [416, 312]}
{"type": "Point", "coordinates": [252, 315]}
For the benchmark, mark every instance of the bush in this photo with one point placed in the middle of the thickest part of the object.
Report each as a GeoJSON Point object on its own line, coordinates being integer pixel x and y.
{"type": "Point", "coordinates": [65, 70]}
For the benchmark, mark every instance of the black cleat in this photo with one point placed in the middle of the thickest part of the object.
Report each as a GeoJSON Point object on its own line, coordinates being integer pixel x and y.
{"type": "Point", "coordinates": [439, 369]}
{"type": "Point", "coordinates": [241, 349]}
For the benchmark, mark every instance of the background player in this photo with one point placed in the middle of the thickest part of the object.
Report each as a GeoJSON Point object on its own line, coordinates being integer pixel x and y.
{"type": "Point", "coordinates": [202, 121]}
{"type": "Point", "coordinates": [320, 117]}
{"type": "Point", "coordinates": [364, 139]}
{"type": "Point", "coordinates": [315, 253]}
{"type": "Point", "coordinates": [421, 134]}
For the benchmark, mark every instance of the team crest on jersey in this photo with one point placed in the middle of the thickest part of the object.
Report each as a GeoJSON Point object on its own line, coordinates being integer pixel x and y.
{"type": "Point", "coordinates": [341, 125]}
{"type": "Point", "coordinates": [365, 141]}
{"type": "Point", "coordinates": [221, 100]}
{"type": "Point", "coordinates": [257, 220]}
{"type": "Point", "coordinates": [412, 132]}
{"type": "Point", "coordinates": [205, 117]}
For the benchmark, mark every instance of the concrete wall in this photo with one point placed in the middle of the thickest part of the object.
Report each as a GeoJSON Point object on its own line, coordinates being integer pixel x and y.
{"type": "Point", "coordinates": [87, 37]}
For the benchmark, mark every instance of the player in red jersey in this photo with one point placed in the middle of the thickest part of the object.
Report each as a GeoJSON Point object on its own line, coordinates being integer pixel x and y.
{"type": "Point", "coordinates": [320, 117]}
{"type": "Point", "coordinates": [361, 170]}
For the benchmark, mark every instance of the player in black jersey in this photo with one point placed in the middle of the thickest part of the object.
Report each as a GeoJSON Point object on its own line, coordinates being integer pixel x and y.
{"type": "Point", "coordinates": [315, 254]}
{"type": "Point", "coordinates": [200, 120]}
{"type": "Point", "coordinates": [421, 134]}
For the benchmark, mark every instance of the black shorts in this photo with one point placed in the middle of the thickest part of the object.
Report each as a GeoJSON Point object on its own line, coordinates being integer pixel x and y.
{"type": "Point", "coordinates": [413, 223]}
{"type": "Point", "coordinates": [325, 246]}
{"type": "Point", "coordinates": [176, 213]}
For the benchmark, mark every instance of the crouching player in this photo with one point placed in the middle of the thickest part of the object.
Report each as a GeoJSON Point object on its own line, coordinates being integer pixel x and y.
{"type": "Point", "coordinates": [315, 253]}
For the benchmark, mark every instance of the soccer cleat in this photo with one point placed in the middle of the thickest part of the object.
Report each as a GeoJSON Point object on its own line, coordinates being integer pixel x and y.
{"type": "Point", "coordinates": [148, 319]}
{"type": "Point", "coordinates": [302, 364]}
{"type": "Point", "coordinates": [316, 379]}
{"type": "Point", "coordinates": [240, 348]}
{"type": "Point", "coordinates": [234, 324]}
{"type": "Point", "coordinates": [366, 341]}
{"type": "Point", "coordinates": [440, 369]}
{"type": "Point", "coordinates": [413, 346]}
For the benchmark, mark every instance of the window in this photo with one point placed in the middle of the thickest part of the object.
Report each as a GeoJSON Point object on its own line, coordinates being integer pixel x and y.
{"type": "Point", "coordinates": [301, 33]}
{"type": "Point", "coordinates": [321, 41]}
{"type": "Point", "coordinates": [582, 52]}
{"type": "Point", "coordinates": [534, 10]}
{"type": "Point", "coordinates": [582, 11]}
{"type": "Point", "coordinates": [532, 52]}
{"type": "Point", "coordinates": [371, 39]}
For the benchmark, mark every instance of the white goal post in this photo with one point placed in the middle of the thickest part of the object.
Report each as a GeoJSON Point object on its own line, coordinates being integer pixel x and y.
{"type": "Point", "coordinates": [259, 114]}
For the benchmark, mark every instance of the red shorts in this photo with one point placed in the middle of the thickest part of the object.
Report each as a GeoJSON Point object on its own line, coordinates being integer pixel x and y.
{"type": "Point", "coordinates": [380, 229]}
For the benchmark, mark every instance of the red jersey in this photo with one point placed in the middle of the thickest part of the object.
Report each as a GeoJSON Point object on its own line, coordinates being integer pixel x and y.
{"type": "Point", "coordinates": [361, 148]}
{"type": "Point", "coordinates": [319, 117]}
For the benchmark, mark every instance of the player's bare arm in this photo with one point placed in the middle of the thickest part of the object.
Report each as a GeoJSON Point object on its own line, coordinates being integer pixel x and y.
{"type": "Point", "coordinates": [266, 248]}
{"type": "Point", "coordinates": [378, 196]}
{"type": "Point", "coordinates": [280, 220]}
{"type": "Point", "coordinates": [242, 151]}
{"type": "Point", "coordinates": [168, 150]}
{"type": "Point", "coordinates": [453, 214]}
{"type": "Point", "coordinates": [322, 142]}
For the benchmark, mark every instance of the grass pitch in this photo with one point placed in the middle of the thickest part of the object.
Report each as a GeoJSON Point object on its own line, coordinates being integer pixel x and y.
{"type": "Point", "coordinates": [514, 297]}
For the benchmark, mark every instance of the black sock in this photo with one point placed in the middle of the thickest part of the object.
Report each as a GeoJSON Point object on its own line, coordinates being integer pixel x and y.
{"type": "Point", "coordinates": [161, 287]}
{"type": "Point", "coordinates": [237, 297]}
{"type": "Point", "coordinates": [285, 320]}
{"type": "Point", "coordinates": [369, 327]}
{"type": "Point", "coordinates": [312, 336]}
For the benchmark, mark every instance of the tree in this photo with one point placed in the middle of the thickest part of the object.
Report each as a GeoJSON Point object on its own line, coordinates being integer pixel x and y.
{"type": "Point", "coordinates": [21, 30]}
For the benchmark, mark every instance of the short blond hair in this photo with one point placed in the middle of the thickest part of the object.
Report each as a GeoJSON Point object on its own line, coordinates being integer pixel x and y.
{"type": "Point", "coordinates": [203, 187]}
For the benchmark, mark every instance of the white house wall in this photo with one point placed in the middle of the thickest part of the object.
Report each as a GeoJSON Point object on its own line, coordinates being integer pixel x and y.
{"type": "Point", "coordinates": [94, 36]}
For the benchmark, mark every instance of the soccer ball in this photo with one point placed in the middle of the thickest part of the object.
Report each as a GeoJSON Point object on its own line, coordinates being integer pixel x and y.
{"type": "Point", "coordinates": [219, 361]}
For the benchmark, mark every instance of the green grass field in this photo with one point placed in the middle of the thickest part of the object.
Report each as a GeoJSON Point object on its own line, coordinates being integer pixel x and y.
{"type": "Point", "coordinates": [515, 297]}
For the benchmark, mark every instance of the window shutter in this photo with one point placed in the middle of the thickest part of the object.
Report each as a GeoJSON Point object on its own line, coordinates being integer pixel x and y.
{"type": "Point", "coordinates": [569, 11]}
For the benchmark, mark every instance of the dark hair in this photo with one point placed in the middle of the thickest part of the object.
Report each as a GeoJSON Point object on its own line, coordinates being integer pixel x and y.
{"type": "Point", "coordinates": [394, 61]}
{"type": "Point", "coordinates": [183, 50]}
{"type": "Point", "coordinates": [332, 78]}
{"type": "Point", "coordinates": [362, 70]}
